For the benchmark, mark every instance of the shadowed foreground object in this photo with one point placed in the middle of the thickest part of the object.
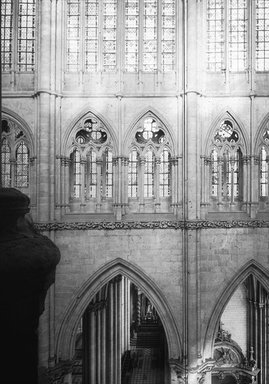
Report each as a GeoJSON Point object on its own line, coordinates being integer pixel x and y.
{"type": "Point", "coordinates": [27, 269]}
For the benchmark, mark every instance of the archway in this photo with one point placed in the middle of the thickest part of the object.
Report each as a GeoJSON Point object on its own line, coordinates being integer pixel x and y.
{"type": "Point", "coordinates": [95, 286]}
{"type": "Point", "coordinates": [239, 328]}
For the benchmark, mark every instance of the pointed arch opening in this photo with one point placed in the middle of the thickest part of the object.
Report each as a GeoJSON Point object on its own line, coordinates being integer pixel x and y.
{"type": "Point", "coordinates": [94, 293]}
{"type": "Point", "coordinates": [237, 334]}
{"type": "Point", "coordinates": [225, 167]}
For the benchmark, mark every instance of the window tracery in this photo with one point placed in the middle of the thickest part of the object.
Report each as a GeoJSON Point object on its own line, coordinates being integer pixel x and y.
{"type": "Point", "coordinates": [91, 164]}
{"type": "Point", "coordinates": [149, 169]}
{"type": "Point", "coordinates": [226, 164]}
{"type": "Point", "coordinates": [15, 156]}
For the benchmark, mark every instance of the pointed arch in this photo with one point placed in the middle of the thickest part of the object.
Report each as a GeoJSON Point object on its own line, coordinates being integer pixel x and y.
{"type": "Point", "coordinates": [65, 343]}
{"type": "Point", "coordinates": [229, 114]}
{"type": "Point", "coordinates": [250, 268]}
{"type": "Point", "coordinates": [258, 137]}
{"type": "Point", "coordinates": [71, 123]}
{"type": "Point", "coordinates": [143, 114]}
{"type": "Point", "coordinates": [13, 116]}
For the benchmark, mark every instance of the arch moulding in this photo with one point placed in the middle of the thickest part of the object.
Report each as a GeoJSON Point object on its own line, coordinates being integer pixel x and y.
{"type": "Point", "coordinates": [65, 342]}
{"type": "Point", "coordinates": [251, 268]}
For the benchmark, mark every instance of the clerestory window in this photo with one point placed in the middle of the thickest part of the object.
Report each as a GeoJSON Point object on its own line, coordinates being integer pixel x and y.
{"type": "Point", "coordinates": [18, 35]}
{"type": "Point", "coordinates": [229, 25]}
{"type": "Point", "coordinates": [95, 35]}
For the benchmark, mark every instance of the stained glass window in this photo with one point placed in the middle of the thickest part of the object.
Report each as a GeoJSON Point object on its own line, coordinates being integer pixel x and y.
{"type": "Point", "coordinates": [149, 173]}
{"type": "Point", "coordinates": [215, 35]}
{"type": "Point", "coordinates": [5, 163]}
{"type": "Point", "coordinates": [165, 174]}
{"type": "Point", "coordinates": [230, 174]}
{"type": "Point", "coordinates": [73, 35]}
{"type": "Point", "coordinates": [26, 35]}
{"type": "Point", "coordinates": [263, 173]}
{"type": "Point", "coordinates": [22, 166]}
{"type": "Point", "coordinates": [6, 34]}
{"type": "Point", "coordinates": [238, 35]}
{"type": "Point", "coordinates": [168, 36]}
{"type": "Point", "coordinates": [262, 35]}
{"type": "Point", "coordinates": [150, 36]}
{"type": "Point", "coordinates": [109, 34]}
{"type": "Point", "coordinates": [18, 48]}
{"type": "Point", "coordinates": [227, 53]}
{"type": "Point", "coordinates": [133, 174]}
{"type": "Point", "coordinates": [131, 35]}
{"type": "Point", "coordinates": [91, 35]}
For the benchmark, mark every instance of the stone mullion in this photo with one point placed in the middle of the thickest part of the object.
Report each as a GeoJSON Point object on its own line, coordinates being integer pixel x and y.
{"type": "Point", "coordinates": [58, 178]}
{"type": "Point", "coordinates": [157, 184]}
{"type": "Point", "coordinates": [32, 179]}
{"type": "Point", "coordinates": [63, 184]}
{"type": "Point", "coordinates": [261, 334]}
{"type": "Point", "coordinates": [179, 181]}
{"type": "Point", "coordinates": [128, 312]}
{"type": "Point", "coordinates": [125, 182]}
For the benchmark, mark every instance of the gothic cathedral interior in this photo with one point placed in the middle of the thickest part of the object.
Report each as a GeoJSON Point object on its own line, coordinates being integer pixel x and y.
{"type": "Point", "coordinates": [140, 131]}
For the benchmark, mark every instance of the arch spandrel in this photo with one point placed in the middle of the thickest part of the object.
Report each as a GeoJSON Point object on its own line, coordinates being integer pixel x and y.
{"type": "Point", "coordinates": [251, 268]}
{"type": "Point", "coordinates": [65, 345]}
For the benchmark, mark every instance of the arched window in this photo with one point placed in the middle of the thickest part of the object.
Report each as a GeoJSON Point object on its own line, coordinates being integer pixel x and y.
{"type": "Point", "coordinates": [226, 165]}
{"type": "Point", "coordinates": [22, 166]}
{"type": "Point", "coordinates": [18, 35]}
{"type": "Point", "coordinates": [91, 166]}
{"type": "Point", "coordinates": [15, 156]}
{"type": "Point", "coordinates": [149, 170]}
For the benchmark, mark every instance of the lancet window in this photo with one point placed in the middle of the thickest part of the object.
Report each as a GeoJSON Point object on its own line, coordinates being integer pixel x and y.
{"type": "Point", "coordinates": [226, 164]}
{"type": "Point", "coordinates": [15, 156]}
{"type": "Point", "coordinates": [91, 164]}
{"type": "Point", "coordinates": [18, 35]}
{"type": "Point", "coordinates": [149, 170]}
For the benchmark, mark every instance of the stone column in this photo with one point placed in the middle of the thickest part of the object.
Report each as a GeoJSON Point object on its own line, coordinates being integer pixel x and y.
{"type": "Point", "coordinates": [67, 184]}
{"type": "Point", "coordinates": [103, 346]}
{"type": "Point", "coordinates": [83, 165]}
{"type": "Point", "coordinates": [220, 160]}
{"type": "Point", "coordinates": [92, 352]}
{"type": "Point", "coordinates": [110, 335]}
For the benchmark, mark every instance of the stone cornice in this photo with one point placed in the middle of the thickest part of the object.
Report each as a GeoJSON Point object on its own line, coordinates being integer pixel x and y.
{"type": "Point", "coordinates": [125, 225]}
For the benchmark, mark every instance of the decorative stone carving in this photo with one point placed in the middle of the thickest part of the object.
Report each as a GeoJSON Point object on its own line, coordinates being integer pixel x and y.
{"type": "Point", "coordinates": [118, 225]}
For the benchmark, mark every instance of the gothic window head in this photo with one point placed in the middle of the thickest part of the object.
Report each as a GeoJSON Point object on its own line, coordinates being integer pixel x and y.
{"type": "Point", "coordinates": [15, 156]}
{"type": "Point", "coordinates": [91, 163]}
{"type": "Point", "coordinates": [226, 163]}
{"type": "Point", "coordinates": [149, 170]}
